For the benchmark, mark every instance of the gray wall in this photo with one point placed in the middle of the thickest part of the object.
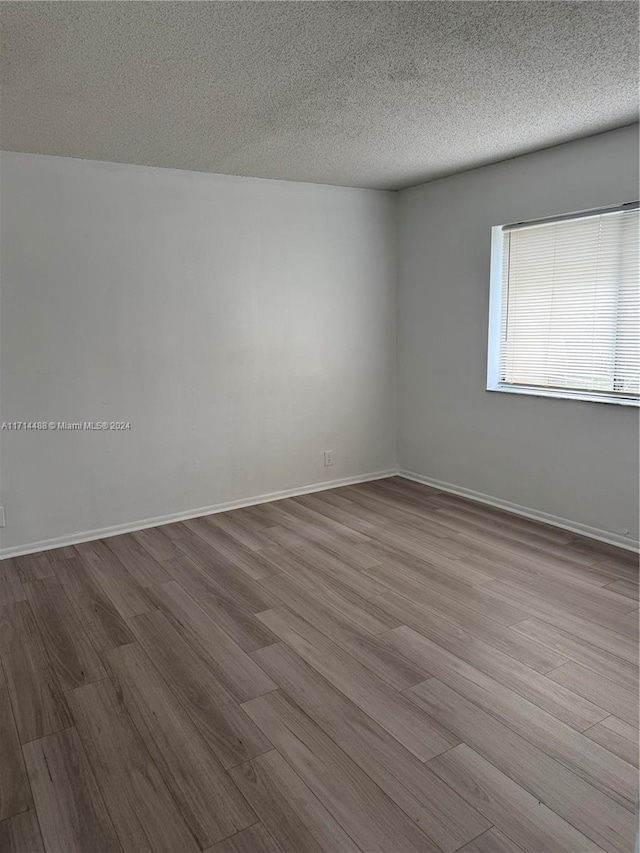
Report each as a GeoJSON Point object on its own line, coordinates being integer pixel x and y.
{"type": "Point", "coordinates": [242, 326]}
{"type": "Point", "coordinates": [575, 460]}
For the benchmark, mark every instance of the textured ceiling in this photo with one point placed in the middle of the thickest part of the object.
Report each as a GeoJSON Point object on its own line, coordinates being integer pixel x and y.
{"type": "Point", "coordinates": [370, 94]}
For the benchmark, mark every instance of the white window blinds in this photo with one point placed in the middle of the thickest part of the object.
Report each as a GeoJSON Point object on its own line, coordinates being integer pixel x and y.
{"type": "Point", "coordinates": [570, 306]}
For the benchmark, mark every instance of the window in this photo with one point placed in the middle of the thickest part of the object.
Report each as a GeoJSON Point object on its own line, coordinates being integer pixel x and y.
{"type": "Point", "coordinates": [565, 307]}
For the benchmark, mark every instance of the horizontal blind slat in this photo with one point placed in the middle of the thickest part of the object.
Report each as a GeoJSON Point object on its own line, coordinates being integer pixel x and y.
{"type": "Point", "coordinates": [571, 305]}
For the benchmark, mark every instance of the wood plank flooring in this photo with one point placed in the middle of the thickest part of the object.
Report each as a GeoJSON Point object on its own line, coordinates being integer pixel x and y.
{"type": "Point", "coordinates": [380, 668]}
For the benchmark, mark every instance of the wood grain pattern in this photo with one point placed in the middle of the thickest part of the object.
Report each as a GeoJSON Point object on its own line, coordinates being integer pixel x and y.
{"type": "Point", "coordinates": [415, 584]}
{"type": "Point", "coordinates": [232, 666]}
{"type": "Point", "coordinates": [255, 839]}
{"type": "Point", "coordinates": [210, 803]}
{"type": "Point", "coordinates": [332, 562]}
{"type": "Point", "coordinates": [142, 810]}
{"type": "Point", "coordinates": [143, 568]}
{"type": "Point", "coordinates": [215, 550]}
{"type": "Point", "coordinates": [418, 613]}
{"type": "Point", "coordinates": [605, 639]}
{"type": "Point", "coordinates": [599, 660]}
{"type": "Point", "coordinates": [540, 606]}
{"type": "Point", "coordinates": [291, 813]}
{"type": "Point", "coordinates": [618, 737]}
{"type": "Point", "coordinates": [36, 696]}
{"type": "Point", "coordinates": [492, 841]}
{"type": "Point", "coordinates": [516, 556]}
{"type": "Point", "coordinates": [328, 528]}
{"type": "Point", "coordinates": [348, 604]}
{"type": "Point", "coordinates": [390, 709]}
{"type": "Point", "coordinates": [33, 567]}
{"type": "Point", "coordinates": [341, 509]}
{"type": "Point", "coordinates": [222, 572]}
{"type": "Point", "coordinates": [408, 548]}
{"type": "Point", "coordinates": [222, 723]}
{"type": "Point", "coordinates": [366, 648]}
{"type": "Point", "coordinates": [379, 667]}
{"type": "Point", "coordinates": [520, 816]}
{"type": "Point", "coordinates": [231, 613]}
{"type": "Point", "coordinates": [629, 624]}
{"type": "Point", "coordinates": [625, 587]}
{"type": "Point", "coordinates": [66, 552]}
{"type": "Point", "coordinates": [598, 689]}
{"type": "Point", "coordinates": [446, 818]}
{"type": "Point", "coordinates": [604, 821]}
{"type": "Point", "coordinates": [11, 586]}
{"type": "Point", "coordinates": [298, 527]}
{"type": "Point", "coordinates": [99, 618]}
{"type": "Point", "coordinates": [373, 820]}
{"type": "Point", "coordinates": [607, 554]}
{"type": "Point", "coordinates": [332, 555]}
{"type": "Point", "coordinates": [157, 543]}
{"type": "Point", "coordinates": [15, 795]}
{"type": "Point", "coordinates": [127, 596]}
{"type": "Point", "coordinates": [239, 529]}
{"type": "Point", "coordinates": [585, 758]}
{"type": "Point", "coordinates": [73, 658]}
{"type": "Point", "coordinates": [70, 808]}
{"type": "Point", "coordinates": [21, 834]}
{"type": "Point", "coordinates": [472, 656]}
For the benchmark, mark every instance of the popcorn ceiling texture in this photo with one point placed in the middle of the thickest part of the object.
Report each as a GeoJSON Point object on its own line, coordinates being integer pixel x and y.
{"type": "Point", "coordinates": [367, 94]}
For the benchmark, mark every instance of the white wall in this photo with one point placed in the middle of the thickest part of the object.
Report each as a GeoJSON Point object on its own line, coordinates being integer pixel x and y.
{"type": "Point", "coordinates": [242, 326]}
{"type": "Point", "coordinates": [574, 460]}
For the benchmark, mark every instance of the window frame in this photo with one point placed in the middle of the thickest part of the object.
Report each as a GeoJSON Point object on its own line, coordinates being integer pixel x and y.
{"type": "Point", "coordinates": [495, 323]}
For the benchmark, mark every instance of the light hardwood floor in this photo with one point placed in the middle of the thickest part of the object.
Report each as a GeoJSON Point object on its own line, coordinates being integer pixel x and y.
{"type": "Point", "coordinates": [380, 667]}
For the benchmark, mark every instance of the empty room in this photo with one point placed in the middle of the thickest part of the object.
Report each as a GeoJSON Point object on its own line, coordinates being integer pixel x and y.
{"type": "Point", "coordinates": [319, 440]}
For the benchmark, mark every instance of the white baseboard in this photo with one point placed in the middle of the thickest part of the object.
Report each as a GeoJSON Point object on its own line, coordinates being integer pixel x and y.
{"type": "Point", "coordinates": [526, 512]}
{"type": "Point", "coordinates": [607, 536]}
{"type": "Point", "coordinates": [104, 532]}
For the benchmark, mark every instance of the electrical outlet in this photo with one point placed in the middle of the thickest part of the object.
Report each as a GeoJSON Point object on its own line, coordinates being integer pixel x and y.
{"type": "Point", "coordinates": [328, 458]}
{"type": "Point", "coordinates": [1, 516]}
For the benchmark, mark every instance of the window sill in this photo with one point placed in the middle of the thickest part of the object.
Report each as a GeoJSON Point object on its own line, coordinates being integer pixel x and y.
{"type": "Point", "coordinates": [565, 395]}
